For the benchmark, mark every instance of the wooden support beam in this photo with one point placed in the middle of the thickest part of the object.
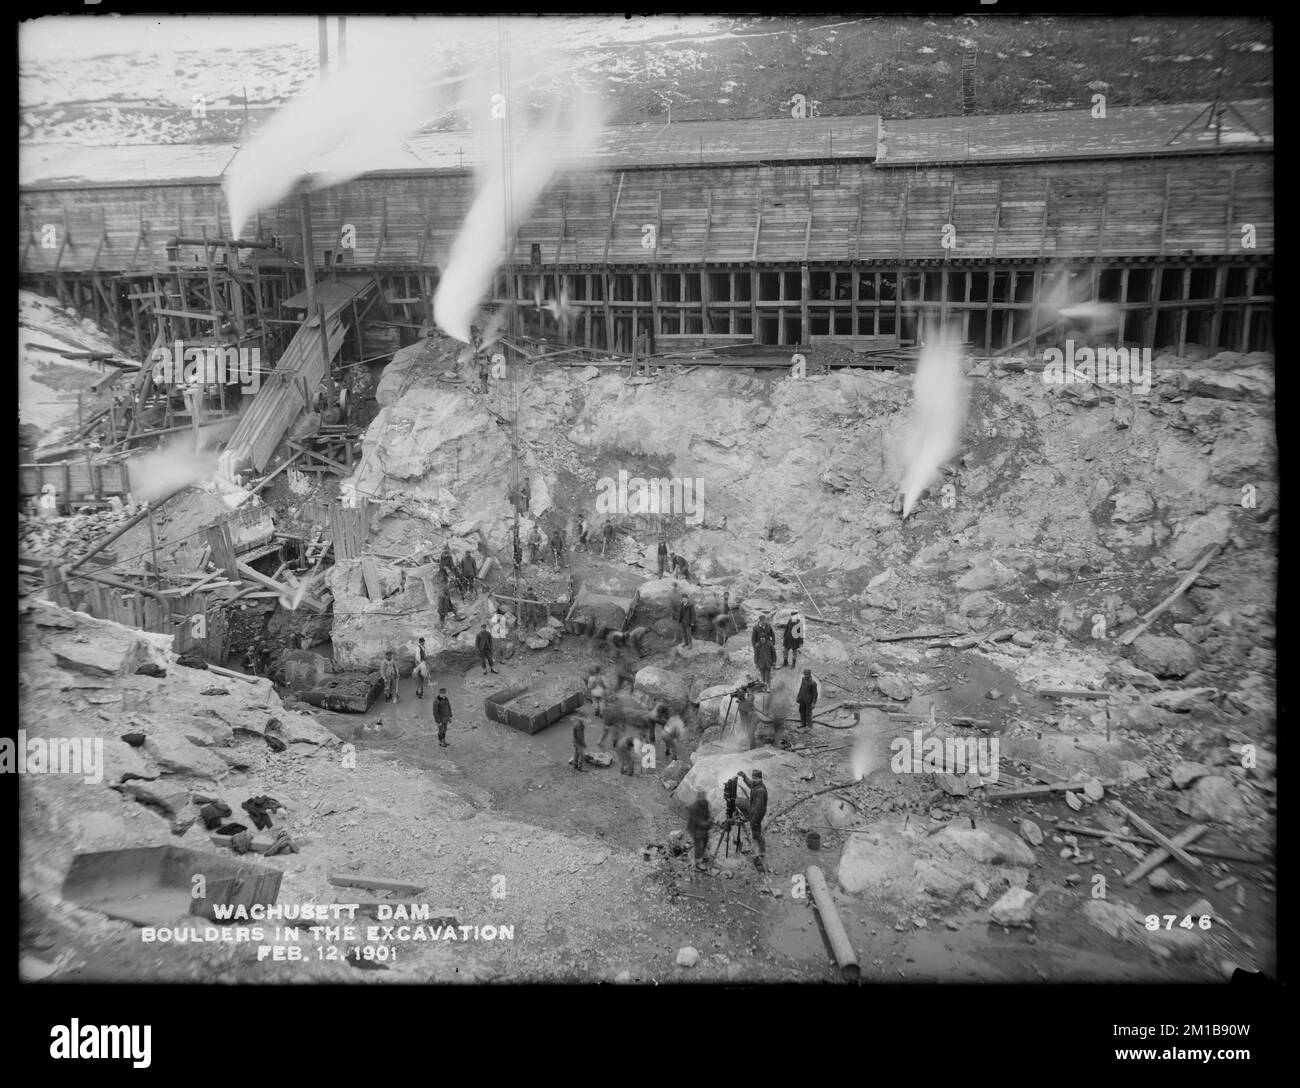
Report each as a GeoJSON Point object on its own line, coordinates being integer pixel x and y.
{"type": "Point", "coordinates": [1153, 314]}
{"type": "Point", "coordinates": [1182, 315]}
{"type": "Point", "coordinates": [383, 229]}
{"type": "Point", "coordinates": [1047, 204]}
{"type": "Point", "coordinates": [1160, 855]}
{"type": "Point", "coordinates": [1247, 311]}
{"type": "Point", "coordinates": [758, 227]}
{"type": "Point", "coordinates": [997, 222]}
{"type": "Point", "coordinates": [708, 226]}
{"type": "Point", "coordinates": [1159, 610]}
{"type": "Point", "coordinates": [902, 232]}
{"type": "Point", "coordinates": [1155, 833]}
{"type": "Point", "coordinates": [1101, 218]}
{"type": "Point", "coordinates": [1164, 213]}
{"type": "Point", "coordinates": [1216, 322]}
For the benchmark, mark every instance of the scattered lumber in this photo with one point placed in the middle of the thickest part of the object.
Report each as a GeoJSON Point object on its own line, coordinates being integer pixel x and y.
{"type": "Point", "coordinates": [1155, 833]}
{"type": "Point", "coordinates": [917, 634]}
{"type": "Point", "coordinates": [1161, 855]}
{"type": "Point", "coordinates": [1183, 586]}
{"type": "Point", "coordinates": [1036, 791]}
{"type": "Point", "coordinates": [1202, 851]}
{"type": "Point", "coordinates": [967, 641]}
{"type": "Point", "coordinates": [1072, 693]}
{"type": "Point", "coordinates": [378, 883]}
{"type": "Point", "coordinates": [249, 574]}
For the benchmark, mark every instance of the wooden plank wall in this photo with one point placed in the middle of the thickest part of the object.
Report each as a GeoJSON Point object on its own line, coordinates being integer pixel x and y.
{"type": "Point", "coordinates": [1049, 209]}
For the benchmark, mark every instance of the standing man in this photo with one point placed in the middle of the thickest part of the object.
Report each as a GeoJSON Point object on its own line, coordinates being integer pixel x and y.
{"type": "Point", "coordinates": [518, 547]}
{"type": "Point", "coordinates": [444, 600]}
{"type": "Point", "coordinates": [681, 568]}
{"type": "Point", "coordinates": [607, 538]}
{"type": "Point", "coordinates": [748, 713]}
{"type": "Point", "coordinates": [755, 808]}
{"type": "Point", "coordinates": [623, 746]}
{"type": "Point", "coordinates": [722, 621]}
{"type": "Point", "coordinates": [764, 642]}
{"type": "Point", "coordinates": [483, 644]}
{"type": "Point", "coordinates": [557, 545]}
{"type": "Point", "coordinates": [442, 715]}
{"type": "Point", "coordinates": [686, 620]}
{"type": "Point", "coordinates": [792, 639]}
{"type": "Point", "coordinates": [596, 689]}
{"type": "Point", "coordinates": [469, 572]}
{"type": "Point", "coordinates": [582, 533]}
{"type": "Point", "coordinates": [421, 668]}
{"type": "Point", "coordinates": [579, 742]}
{"type": "Point", "coordinates": [388, 670]}
{"type": "Point", "coordinates": [807, 698]}
{"type": "Point", "coordinates": [663, 555]}
{"type": "Point", "coordinates": [446, 564]}
{"type": "Point", "coordinates": [534, 544]}
{"type": "Point", "coordinates": [674, 736]}
{"type": "Point", "coordinates": [697, 826]}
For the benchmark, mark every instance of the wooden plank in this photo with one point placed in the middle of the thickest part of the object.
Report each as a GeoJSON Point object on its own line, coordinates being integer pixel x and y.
{"type": "Point", "coordinates": [1035, 791]}
{"type": "Point", "coordinates": [378, 883]}
{"type": "Point", "coordinates": [370, 572]}
{"type": "Point", "coordinates": [1155, 613]}
{"type": "Point", "coordinates": [1155, 833]}
{"type": "Point", "coordinates": [1161, 855]}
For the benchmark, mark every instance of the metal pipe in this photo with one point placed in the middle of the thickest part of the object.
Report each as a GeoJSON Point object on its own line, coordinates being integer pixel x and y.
{"type": "Point", "coordinates": [840, 946]}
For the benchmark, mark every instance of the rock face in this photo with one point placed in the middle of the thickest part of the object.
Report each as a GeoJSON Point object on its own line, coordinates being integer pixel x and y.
{"type": "Point", "coordinates": [187, 729]}
{"type": "Point", "coordinates": [1213, 798]}
{"type": "Point", "coordinates": [661, 685]}
{"type": "Point", "coordinates": [887, 860]}
{"type": "Point", "coordinates": [1184, 774]}
{"type": "Point", "coordinates": [1163, 656]}
{"type": "Point", "coordinates": [1126, 923]}
{"type": "Point", "coordinates": [712, 766]}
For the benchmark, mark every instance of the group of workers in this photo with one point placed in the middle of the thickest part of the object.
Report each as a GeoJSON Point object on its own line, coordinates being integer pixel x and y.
{"type": "Point", "coordinates": [391, 677]}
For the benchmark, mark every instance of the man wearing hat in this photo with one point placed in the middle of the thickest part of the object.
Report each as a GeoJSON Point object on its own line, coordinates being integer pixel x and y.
{"type": "Point", "coordinates": [764, 641]}
{"type": "Point", "coordinates": [686, 620]}
{"type": "Point", "coordinates": [442, 715]}
{"type": "Point", "coordinates": [807, 698]}
{"type": "Point", "coordinates": [421, 668]}
{"type": "Point", "coordinates": [792, 639]}
{"type": "Point", "coordinates": [755, 808]}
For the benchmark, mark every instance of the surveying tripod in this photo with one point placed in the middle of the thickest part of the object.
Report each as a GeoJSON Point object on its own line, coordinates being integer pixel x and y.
{"type": "Point", "coordinates": [733, 819]}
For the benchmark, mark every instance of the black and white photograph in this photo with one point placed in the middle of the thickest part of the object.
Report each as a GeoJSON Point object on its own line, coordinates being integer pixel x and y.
{"type": "Point", "coordinates": [648, 500]}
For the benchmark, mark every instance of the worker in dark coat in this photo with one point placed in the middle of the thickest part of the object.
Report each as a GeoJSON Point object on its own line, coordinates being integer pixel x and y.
{"type": "Point", "coordinates": [681, 568]}
{"type": "Point", "coordinates": [483, 644]}
{"type": "Point", "coordinates": [446, 562]}
{"type": "Point", "coordinates": [442, 715]}
{"type": "Point", "coordinates": [755, 807]}
{"type": "Point", "coordinates": [697, 826]}
{"type": "Point", "coordinates": [444, 602]}
{"type": "Point", "coordinates": [579, 742]}
{"type": "Point", "coordinates": [686, 621]}
{"type": "Point", "coordinates": [763, 639]}
{"type": "Point", "coordinates": [607, 538]}
{"type": "Point", "coordinates": [468, 571]}
{"type": "Point", "coordinates": [621, 640]}
{"type": "Point", "coordinates": [557, 545]}
{"type": "Point", "coordinates": [792, 640]}
{"type": "Point", "coordinates": [663, 556]}
{"type": "Point", "coordinates": [807, 698]}
{"type": "Point", "coordinates": [581, 529]}
{"type": "Point", "coordinates": [534, 543]}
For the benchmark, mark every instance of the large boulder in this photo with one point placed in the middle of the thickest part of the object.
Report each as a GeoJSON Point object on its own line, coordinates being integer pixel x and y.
{"type": "Point", "coordinates": [664, 686]}
{"type": "Point", "coordinates": [1015, 908]}
{"type": "Point", "coordinates": [301, 670]}
{"type": "Point", "coordinates": [1164, 656]}
{"type": "Point", "coordinates": [988, 846]}
{"type": "Point", "coordinates": [1198, 533]}
{"type": "Point", "coordinates": [1213, 798]}
{"type": "Point", "coordinates": [712, 766]}
{"type": "Point", "coordinates": [987, 573]}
